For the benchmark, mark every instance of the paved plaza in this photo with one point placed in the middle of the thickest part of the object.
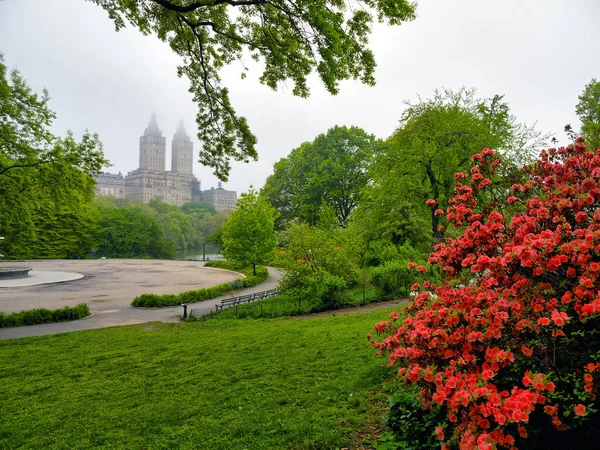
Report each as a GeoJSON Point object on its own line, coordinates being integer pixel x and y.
{"type": "Point", "coordinates": [109, 286]}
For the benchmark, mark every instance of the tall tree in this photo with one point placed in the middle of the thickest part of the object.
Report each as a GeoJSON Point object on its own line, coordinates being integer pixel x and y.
{"type": "Point", "coordinates": [46, 183]}
{"type": "Point", "coordinates": [329, 172]}
{"type": "Point", "coordinates": [248, 234]}
{"type": "Point", "coordinates": [292, 38]}
{"type": "Point", "coordinates": [588, 110]}
{"type": "Point", "coordinates": [436, 138]}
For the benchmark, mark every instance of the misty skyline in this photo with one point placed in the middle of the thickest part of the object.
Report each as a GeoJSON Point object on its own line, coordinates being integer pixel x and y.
{"type": "Point", "coordinates": [539, 54]}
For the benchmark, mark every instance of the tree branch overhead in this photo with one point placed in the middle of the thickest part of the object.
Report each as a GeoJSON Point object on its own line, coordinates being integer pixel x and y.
{"type": "Point", "coordinates": [293, 38]}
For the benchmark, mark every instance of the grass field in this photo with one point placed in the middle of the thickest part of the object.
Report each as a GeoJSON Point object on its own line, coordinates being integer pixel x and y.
{"type": "Point", "coordinates": [227, 384]}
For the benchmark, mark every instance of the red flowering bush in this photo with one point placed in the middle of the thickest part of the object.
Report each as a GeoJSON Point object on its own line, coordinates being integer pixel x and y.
{"type": "Point", "coordinates": [509, 344]}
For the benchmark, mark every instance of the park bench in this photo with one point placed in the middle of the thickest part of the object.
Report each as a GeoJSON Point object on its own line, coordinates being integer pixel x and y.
{"type": "Point", "coordinates": [234, 301]}
{"type": "Point", "coordinates": [226, 303]}
{"type": "Point", "coordinates": [245, 298]}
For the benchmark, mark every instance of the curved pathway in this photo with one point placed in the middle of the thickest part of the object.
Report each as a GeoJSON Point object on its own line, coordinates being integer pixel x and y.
{"type": "Point", "coordinates": [128, 315]}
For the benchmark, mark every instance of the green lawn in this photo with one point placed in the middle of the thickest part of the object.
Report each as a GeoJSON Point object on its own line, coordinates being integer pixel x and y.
{"type": "Point", "coordinates": [245, 384]}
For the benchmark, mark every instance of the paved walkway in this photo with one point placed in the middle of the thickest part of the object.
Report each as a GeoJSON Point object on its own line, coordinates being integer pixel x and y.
{"type": "Point", "coordinates": [129, 316]}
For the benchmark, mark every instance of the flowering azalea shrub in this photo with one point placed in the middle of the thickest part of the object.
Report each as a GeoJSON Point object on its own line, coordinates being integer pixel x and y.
{"type": "Point", "coordinates": [509, 344]}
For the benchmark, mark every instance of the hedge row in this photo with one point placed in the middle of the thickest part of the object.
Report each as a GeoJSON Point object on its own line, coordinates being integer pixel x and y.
{"type": "Point", "coordinates": [42, 315]}
{"type": "Point", "coordinates": [198, 295]}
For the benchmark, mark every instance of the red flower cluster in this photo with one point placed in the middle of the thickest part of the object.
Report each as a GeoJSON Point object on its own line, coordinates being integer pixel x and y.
{"type": "Point", "coordinates": [517, 298]}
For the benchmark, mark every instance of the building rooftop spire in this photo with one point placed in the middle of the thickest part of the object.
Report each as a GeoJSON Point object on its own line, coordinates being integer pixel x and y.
{"type": "Point", "coordinates": [152, 128]}
{"type": "Point", "coordinates": [180, 134]}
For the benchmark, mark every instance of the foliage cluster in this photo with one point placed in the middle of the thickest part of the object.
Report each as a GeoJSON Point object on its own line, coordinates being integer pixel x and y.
{"type": "Point", "coordinates": [248, 236]}
{"type": "Point", "coordinates": [221, 385]}
{"type": "Point", "coordinates": [318, 264]}
{"type": "Point", "coordinates": [411, 425]}
{"type": "Point", "coordinates": [156, 230]}
{"type": "Point", "coordinates": [390, 272]}
{"type": "Point", "coordinates": [498, 345]}
{"type": "Point", "coordinates": [588, 110]}
{"type": "Point", "coordinates": [128, 230]}
{"type": "Point", "coordinates": [253, 277]}
{"type": "Point", "coordinates": [329, 172]}
{"type": "Point", "coordinates": [42, 315]}
{"type": "Point", "coordinates": [436, 138]}
{"type": "Point", "coordinates": [46, 183]}
{"type": "Point", "coordinates": [346, 185]}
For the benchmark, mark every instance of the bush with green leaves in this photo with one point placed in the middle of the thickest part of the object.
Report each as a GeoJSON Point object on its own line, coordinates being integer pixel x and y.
{"type": "Point", "coordinates": [393, 278]}
{"type": "Point", "coordinates": [42, 315]}
{"type": "Point", "coordinates": [380, 251]}
{"type": "Point", "coordinates": [391, 274]}
{"type": "Point", "coordinates": [318, 263]}
{"type": "Point", "coordinates": [411, 425]}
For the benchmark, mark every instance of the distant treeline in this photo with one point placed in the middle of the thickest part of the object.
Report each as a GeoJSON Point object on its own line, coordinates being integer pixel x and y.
{"type": "Point", "coordinates": [119, 228]}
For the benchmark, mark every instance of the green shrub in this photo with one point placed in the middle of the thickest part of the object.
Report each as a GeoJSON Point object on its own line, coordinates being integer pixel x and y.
{"type": "Point", "coordinates": [155, 300]}
{"type": "Point", "coordinates": [198, 295]}
{"type": "Point", "coordinates": [330, 288]}
{"type": "Point", "coordinates": [224, 264]}
{"type": "Point", "coordinates": [411, 425]}
{"type": "Point", "coordinates": [42, 315]}
{"type": "Point", "coordinates": [393, 278]}
{"type": "Point", "coordinates": [381, 252]}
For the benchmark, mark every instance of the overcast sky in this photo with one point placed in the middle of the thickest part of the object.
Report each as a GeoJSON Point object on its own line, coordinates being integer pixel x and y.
{"type": "Point", "coordinates": [538, 53]}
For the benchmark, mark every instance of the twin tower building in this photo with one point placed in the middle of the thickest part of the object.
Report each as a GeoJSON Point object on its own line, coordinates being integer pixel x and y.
{"type": "Point", "coordinates": [152, 180]}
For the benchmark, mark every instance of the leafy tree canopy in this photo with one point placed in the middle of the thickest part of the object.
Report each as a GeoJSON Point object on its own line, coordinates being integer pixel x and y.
{"type": "Point", "coordinates": [248, 235]}
{"type": "Point", "coordinates": [436, 138]}
{"type": "Point", "coordinates": [130, 231]}
{"type": "Point", "coordinates": [200, 208]}
{"type": "Point", "coordinates": [325, 175]}
{"type": "Point", "coordinates": [46, 183]}
{"type": "Point", "coordinates": [292, 38]}
{"type": "Point", "coordinates": [25, 138]}
{"type": "Point", "coordinates": [588, 110]}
